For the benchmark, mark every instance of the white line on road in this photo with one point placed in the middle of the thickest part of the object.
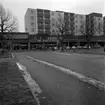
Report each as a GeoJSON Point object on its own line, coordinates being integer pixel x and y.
{"type": "Point", "coordinates": [61, 53]}
{"type": "Point", "coordinates": [12, 55]}
{"type": "Point", "coordinates": [31, 83]}
{"type": "Point", "coordinates": [79, 76]}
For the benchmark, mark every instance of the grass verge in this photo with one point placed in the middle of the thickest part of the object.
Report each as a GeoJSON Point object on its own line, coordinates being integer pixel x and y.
{"type": "Point", "coordinates": [13, 88]}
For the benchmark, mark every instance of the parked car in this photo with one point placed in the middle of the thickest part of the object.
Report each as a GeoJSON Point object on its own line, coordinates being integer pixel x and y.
{"type": "Point", "coordinates": [67, 48]}
{"type": "Point", "coordinates": [73, 47]}
{"type": "Point", "coordinates": [55, 48]}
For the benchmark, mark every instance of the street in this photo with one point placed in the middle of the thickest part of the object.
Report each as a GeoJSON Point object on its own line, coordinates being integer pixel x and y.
{"type": "Point", "coordinates": [62, 88]}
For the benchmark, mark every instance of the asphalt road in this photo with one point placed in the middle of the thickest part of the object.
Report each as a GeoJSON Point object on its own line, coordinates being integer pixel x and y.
{"type": "Point", "coordinates": [64, 89]}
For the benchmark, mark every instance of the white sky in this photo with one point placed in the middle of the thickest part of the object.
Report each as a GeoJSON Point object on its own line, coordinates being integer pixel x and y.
{"type": "Point", "coordinates": [19, 7]}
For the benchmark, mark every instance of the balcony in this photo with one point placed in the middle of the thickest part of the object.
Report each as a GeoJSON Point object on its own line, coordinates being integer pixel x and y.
{"type": "Point", "coordinates": [67, 22]}
{"type": "Point", "coordinates": [47, 21]}
{"type": "Point", "coordinates": [40, 26]}
{"type": "Point", "coordinates": [72, 23]}
{"type": "Point", "coordinates": [47, 26]}
{"type": "Point", "coordinates": [41, 31]}
{"type": "Point", "coordinates": [47, 11]}
{"type": "Point", "coordinates": [71, 14]}
{"type": "Point", "coordinates": [47, 31]}
{"type": "Point", "coordinates": [40, 15]}
{"type": "Point", "coordinates": [40, 10]}
{"type": "Point", "coordinates": [46, 15]}
{"type": "Point", "coordinates": [40, 20]}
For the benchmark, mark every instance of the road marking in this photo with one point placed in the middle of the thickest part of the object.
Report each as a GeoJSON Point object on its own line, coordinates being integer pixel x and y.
{"type": "Point", "coordinates": [100, 85]}
{"type": "Point", "coordinates": [31, 83]}
{"type": "Point", "coordinates": [12, 55]}
{"type": "Point", "coordinates": [61, 53]}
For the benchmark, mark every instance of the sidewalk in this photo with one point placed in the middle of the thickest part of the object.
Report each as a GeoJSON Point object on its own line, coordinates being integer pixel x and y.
{"type": "Point", "coordinates": [13, 88]}
{"type": "Point", "coordinates": [99, 51]}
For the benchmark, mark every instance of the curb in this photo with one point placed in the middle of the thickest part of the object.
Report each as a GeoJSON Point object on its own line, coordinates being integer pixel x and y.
{"type": "Point", "coordinates": [35, 89]}
{"type": "Point", "coordinates": [85, 52]}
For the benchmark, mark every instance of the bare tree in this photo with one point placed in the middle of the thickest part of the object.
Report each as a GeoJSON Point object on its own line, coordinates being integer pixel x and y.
{"type": "Point", "coordinates": [87, 32]}
{"type": "Point", "coordinates": [8, 23]}
{"type": "Point", "coordinates": [61, 31]}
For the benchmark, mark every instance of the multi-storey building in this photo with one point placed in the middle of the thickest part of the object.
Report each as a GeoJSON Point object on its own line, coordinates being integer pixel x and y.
{"type": "Point", "coordinates": [41, 21]}
{"type": "Point", "coordinates": [94, 24]}
{"type": "Point", "coordinates": [74, 23]}
{"type": "Point", "coordinates": [57, 18]}
{"type": "Point", "coordinates": [30, 21]}
{"type": "Point", "coordinates": [37, 21]}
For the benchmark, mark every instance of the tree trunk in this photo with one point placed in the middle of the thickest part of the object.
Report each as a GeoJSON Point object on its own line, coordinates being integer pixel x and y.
{"type": "Point", "coordinates": [62, 46]}
{"type": "Point", "coordinates": [88, 43]}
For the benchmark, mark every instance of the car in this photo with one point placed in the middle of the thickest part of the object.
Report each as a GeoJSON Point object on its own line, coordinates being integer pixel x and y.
{"type": "Point", "coordinates": [67, 47]}
{"type": "Point", "coordinates": [73, 47]}
{"type": "Point", "coordinates": [84, 46]}
{"type": "Point", "coordinates": [55, 48]}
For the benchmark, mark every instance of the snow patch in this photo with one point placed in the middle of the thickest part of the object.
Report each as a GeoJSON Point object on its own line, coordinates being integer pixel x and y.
{"type": "Point", "coordinates": [31, 83]}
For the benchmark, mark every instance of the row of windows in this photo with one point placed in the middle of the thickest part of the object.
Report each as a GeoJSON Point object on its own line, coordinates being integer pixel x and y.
{"type": "Point", "coordinates": [32, 29]}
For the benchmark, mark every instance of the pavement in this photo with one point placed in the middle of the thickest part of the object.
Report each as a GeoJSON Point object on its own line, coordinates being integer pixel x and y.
{"type": "Point", "coordinates": [99, 51]}
{"type": "Point", "coordinates": [63, 89]}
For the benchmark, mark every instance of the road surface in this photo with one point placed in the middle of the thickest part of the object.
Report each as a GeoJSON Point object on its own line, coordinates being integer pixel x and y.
{"type": "Point", "coordinates": [63, 89]}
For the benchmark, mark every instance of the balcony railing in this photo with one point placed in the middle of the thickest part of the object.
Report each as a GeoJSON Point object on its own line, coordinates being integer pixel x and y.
{"type": "Point", "coordinates": [40, 20]}
{"type": "Point", "coordinates": [40, 14]}
{"type": "Point", "coordinates": [47, 21]}
{"type": "Point", "coordinates": [46, 11]}
{"type": "Point", "coordinates": [40, 26]}
{"type": "Point", "coordinates": [40, 31]}
{"type": "Point", "coordinates": [46, 15]}
{"type": "Point", "coordinates": [47, 26]}
{"type": "Point", "coordinates": [40, 10]}
{"type": "Point", "coordinates": [47, 31]}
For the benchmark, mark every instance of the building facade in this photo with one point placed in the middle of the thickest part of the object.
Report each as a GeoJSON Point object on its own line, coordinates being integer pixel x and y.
{"type": "Point", "coordinates": [94, 23]}
{"type": "Point", "coordinates": [104, 25]}
{"type": "Point", "coordinates": [37, 21]}
{"type": "Point", "coordinates": [41, 21]}
{"type": "Point", "coordinates": [79, 24]}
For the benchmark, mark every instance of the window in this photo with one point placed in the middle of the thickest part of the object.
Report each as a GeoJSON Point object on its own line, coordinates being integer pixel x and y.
{"type": "Point", "coordinates": [76, 26]}
{"type": "Point", "coordinates": [75, 16]}
{"type": "Point", "coordinates": [81, 22]}
{"type": "Point", "coordinates": [32, 17]}
{"type": "Point", "coordinates": [52, 14]}
{"type": "Point", "coordinates": [52, 19]}
{"type": "Point", "coordinates": [81, 17]}
{"type": "Point", "coordinates": [32, 23]}
{"type": "Point", "coordinates": [53, 30]}
{"type": "Point", "coordinates": [32, 29]}
{"type": "Point", "coordinates": [53, 24]}
{"type": "Point", "coordinates": [59, 15]}
{"type": "Point", "coordinates": [31, 11]}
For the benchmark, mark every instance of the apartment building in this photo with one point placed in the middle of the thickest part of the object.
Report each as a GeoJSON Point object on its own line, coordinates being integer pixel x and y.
{"type": "Point", "coordinates": [30, 21]}
{"type": "Point", "coordinates": [41, 21]}
{"type": "Point", "coordinates": [74, 23]}
{"type": "Point", "coordinates": [37, 21]}
{"type": "Point", "coordinates": [94, 23]}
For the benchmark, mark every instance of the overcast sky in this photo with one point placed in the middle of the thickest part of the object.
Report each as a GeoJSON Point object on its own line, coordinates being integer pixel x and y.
{"type": "Point", "coordinates": [19, 7]}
